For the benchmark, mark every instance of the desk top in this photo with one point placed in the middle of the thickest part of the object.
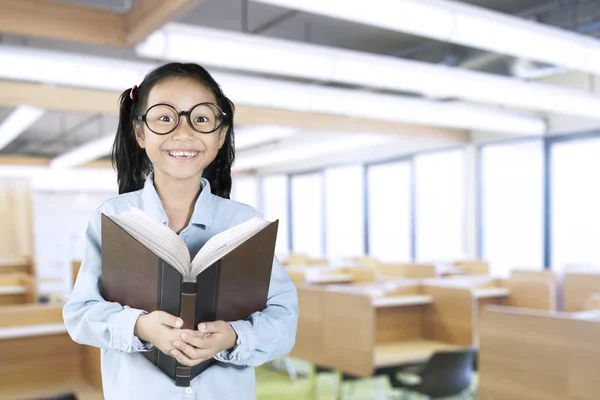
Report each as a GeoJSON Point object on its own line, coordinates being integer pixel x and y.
{"type": "Point", "coordinates": [407, 352]}
{"type": "Point", "coordinates": [329, 278]}
{"type": "Point", "coordinates": [487, 292]}
{"type": "Point", "coordinates": [12, 290]}
{"type": "Point", "coordinates": [397, 301]}
{"type": "Point", "coordinates": [13, 262]}
{"type": "Point", "coordinates": [32, 330]}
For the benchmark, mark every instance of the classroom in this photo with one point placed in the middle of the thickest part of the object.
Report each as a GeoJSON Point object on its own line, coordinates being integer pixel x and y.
{"type": "Point", "coordinates": [427, 170]}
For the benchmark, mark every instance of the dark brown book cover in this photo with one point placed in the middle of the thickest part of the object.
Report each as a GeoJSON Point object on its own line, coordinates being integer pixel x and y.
{"type": "Point", "coordinates": [231, 289]}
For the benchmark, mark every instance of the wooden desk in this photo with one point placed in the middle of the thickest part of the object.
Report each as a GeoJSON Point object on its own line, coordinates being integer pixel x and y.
{"type": "Point", "coordinates": [578, 287]}
{"type": "Point", "coordinates": [490, 292]}
{"type": "Point", "coordinates": [530, 354]}
{"type": "Point", "coordinates": [358, 328]}
{"type": "Point", "coordinates": [34, 343]}
{"type": "Point", "coordinates": [408, 352]}
{"type": "Point", "coordinates": [398, 301]}
{"type": "Point", "coordinates": [15, 265]}
{"type": "Point", "coordinates": [17, 288]}
{"type": "Point", "coordinates": [16, 332]}
{"type": "Point", "coordinates": [593, 302]}
{"type": "Point", "coordinates": [473, 267]}
{"type": "Point", "coordinates": [325, 279]}
{"type": "Point", "coordinates": [409, 271]}
{"type": "Point", "coordinates": [318, 275]}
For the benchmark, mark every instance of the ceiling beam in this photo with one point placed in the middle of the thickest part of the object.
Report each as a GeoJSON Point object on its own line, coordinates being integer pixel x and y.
{"type": "Point", "coordinates": [58, 98]}
{"type": "Point", "coordinates": [93, 101]}
{"type": "Point", "coordinates": [146, 16]}
{"type": "Point", "coordinates": [52, 20]}
{"type": "Point", "coordinates": [9, 159]}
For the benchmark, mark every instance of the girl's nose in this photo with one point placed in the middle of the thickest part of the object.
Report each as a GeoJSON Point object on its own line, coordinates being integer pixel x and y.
{"type": "Point", "coordinates": [184, 132]}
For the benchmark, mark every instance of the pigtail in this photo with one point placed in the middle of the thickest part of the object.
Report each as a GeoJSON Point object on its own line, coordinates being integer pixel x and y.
{"type": "Point", "coordinates": [218, 173]}
{"type": "Point", "coordinates": [129, 159]}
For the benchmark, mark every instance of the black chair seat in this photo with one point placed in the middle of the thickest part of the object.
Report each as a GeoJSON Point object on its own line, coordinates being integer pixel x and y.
{"type": "Point", "coordinates": [447, 373]}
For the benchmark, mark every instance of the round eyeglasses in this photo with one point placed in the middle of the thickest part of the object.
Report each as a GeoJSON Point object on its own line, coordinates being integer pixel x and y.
{"type": "Point", "coordinates": [163, 119]}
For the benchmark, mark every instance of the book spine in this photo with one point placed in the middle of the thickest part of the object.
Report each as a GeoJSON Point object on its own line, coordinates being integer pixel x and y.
{"type": "Point", "coordinates": [169, 300]}
{"type": "Point", "coordinates": [189, 290]}
{"type": "Point", "coordinates": [206, 305]}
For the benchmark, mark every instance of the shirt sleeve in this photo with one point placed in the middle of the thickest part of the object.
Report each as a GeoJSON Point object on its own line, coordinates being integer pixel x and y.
{"type": "Point", "coordinates": [271, 333]}
{"type": "Point", "coordinates": [89, 318]}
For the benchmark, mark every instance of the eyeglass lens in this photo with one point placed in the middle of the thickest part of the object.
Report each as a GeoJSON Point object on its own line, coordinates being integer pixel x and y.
{"type": "Point", "coordinates": [204, 118]}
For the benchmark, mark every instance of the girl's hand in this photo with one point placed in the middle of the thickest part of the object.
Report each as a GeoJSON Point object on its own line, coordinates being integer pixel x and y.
{"type": "Point", "coordinates": [193, 347]}
{"type": "Point", "coordinates": [159, 328]}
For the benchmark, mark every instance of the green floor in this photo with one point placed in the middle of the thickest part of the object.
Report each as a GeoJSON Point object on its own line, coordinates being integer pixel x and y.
{"type": "Point", "coordinates": [276, 385]}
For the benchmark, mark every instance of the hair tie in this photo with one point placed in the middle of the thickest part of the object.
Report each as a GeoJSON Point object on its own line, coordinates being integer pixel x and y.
{"type": "Point", "coordinates": [132, 93]}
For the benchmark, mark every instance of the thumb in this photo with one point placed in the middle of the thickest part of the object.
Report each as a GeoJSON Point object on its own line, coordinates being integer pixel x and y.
{"type": "Point", "coordinates": [170, 320]}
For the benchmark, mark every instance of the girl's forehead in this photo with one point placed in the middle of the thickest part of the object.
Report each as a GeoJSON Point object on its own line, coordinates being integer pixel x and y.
{"type": "Point", "coordinates": [180, 92]}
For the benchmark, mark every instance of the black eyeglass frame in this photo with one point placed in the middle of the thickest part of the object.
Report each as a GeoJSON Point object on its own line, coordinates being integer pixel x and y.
{"type": "Point", "coordinates": [187, 114]}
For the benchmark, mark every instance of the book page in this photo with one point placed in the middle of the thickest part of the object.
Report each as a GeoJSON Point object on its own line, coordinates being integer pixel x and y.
{"type": "Point", "coordinates": [157, 237]}
{"type": "Point", "coordinates": [224, 242]}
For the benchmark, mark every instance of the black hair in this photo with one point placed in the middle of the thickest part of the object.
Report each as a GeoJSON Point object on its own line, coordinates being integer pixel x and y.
{"type": "Point", "coordinates": [131, 161]}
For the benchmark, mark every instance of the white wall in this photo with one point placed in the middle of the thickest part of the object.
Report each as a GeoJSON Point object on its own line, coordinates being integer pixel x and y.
{"type": "Point", "coordinates": [63, 202]}
{"type": "Point", "coordinates": [60, 220]}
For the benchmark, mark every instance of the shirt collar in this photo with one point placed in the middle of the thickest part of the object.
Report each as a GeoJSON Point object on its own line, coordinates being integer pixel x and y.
{"type": "Point", "coordinates": [203, 209]}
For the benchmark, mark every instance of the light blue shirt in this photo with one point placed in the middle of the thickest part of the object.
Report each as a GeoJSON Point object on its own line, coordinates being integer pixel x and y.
{"type": "Point", "coordinates": [127, 374]}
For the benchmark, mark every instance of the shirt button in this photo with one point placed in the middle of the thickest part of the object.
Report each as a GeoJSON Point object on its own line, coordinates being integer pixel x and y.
{"type": "Point", "coordinates": [188, 390]}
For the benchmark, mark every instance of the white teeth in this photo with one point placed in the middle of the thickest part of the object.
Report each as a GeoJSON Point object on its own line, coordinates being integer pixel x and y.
{"type": "Point", "coordinates": [187, 154]}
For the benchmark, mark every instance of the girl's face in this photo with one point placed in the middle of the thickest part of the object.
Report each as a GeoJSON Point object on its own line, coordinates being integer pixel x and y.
{"type": "Point", "coordinates": [184, 153]}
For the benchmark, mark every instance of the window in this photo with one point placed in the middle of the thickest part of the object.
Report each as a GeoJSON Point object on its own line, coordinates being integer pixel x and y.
{"type": "Point", "coordinates": [275, 206]}
{"type": "Point", "coordinates": [440, 205]}
{"type": "Point", "coordinates": [245, 190]}
{"type": "Point", "coordinates": [389, 213]}
{"type": "Point", "coordinates": [512, 195]}
{"type": "Point", "coordinates": [575, 203]}
{"type": "Point", "coordinates": [344, 212]}
{"type": "Point", "coordinates": [307, 214]}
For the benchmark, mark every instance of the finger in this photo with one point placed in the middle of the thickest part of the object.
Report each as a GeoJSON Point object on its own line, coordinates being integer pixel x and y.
{"type": "Point", "coordinates": [182, 358]}
{"type": "Point", "coordinates": [169, 320]}
{"type": "Point", "coordinates": [211, 327]}
{"type": "Point", "coordinates": [189, 351]}
{"type": "Point", "coordinates": [192, 333]}
{"type": "Point", "coordinates": [197, 339]}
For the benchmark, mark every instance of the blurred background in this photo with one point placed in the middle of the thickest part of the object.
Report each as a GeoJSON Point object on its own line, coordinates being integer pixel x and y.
{"type": "Point", "coordinates": [433, 165]}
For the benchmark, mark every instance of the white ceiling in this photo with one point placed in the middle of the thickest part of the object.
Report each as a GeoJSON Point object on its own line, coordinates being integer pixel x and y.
{"type": "Point", "coordinates": [56, 133]}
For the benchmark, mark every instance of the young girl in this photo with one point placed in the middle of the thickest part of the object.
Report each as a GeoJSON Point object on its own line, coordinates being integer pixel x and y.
{"type": "Point", "coordinates": [173, 151]}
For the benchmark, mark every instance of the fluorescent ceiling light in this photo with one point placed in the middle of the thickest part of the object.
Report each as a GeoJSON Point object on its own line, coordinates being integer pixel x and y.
{"type": "Point", "coordinates": [88, 152]}
{"type": "Point", "coordinates": [245, 52]}
{"type": "Point", "coordinates": [249, 136]}
{"type": "Point", "coordinates": [61, 68]}
{"type": "Point", "coordinates": [453, 22]}
{"type": "Point", "coordinates": [16, 63]}
{"type": "Point", "coordinates": [18, 122]}
{"type": "Point", "coordinates": [81, 179]}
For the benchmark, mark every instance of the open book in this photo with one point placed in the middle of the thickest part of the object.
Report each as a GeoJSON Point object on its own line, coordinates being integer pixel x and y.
{"type": "Point", "coordinates": [165, 243]}
{"type": "Point", "coordinates": [145, 265]}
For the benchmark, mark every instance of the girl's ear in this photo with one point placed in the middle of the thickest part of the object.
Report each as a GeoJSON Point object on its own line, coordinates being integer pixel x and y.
{"type": "Point", "coordinates": [139, 135]}
{"type": "Point", "coordinates": [222, 137]}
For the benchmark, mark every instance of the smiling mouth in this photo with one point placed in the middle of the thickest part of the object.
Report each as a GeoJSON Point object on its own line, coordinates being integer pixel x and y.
{"type": "Point", "coordinates": [183, 154]}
